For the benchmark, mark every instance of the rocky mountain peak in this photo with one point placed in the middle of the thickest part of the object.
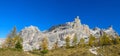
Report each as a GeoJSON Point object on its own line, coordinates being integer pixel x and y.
{"type": "Point", "coordinates": [77, 23]}
{"type": "Point", "coordinates": [96, 28]}
{"type": "Point", "coordinates": [110, 27]}
{"type": "Point", "coordinates": [77, 20]}
{"type": "Point", "coordinates": [31, 28]}
{"type": "Point", "coordinates": [32, 36]}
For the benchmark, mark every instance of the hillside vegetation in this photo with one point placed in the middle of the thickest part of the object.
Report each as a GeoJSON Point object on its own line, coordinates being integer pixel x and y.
{"type": "Point", "coordinates": [112, 50]}
{"type": "Point", "coordinates": [106, 46]}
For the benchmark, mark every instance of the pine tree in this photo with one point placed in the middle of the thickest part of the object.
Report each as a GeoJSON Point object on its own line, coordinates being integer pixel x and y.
{"type": "Point", "coordinates": [116, 40]}
{"type": "Point", "coordinates": [44, 46]}
{"type": "Point", "coordinates": [55, 46]}
{"type": "Point", "coordinates": [7, 43]}
{"type": "Point", "coordinates": [82, 42]}
{"type": "Point", "coordinates": [13, 33]}
{"type": "Point", "coordinates": [101, 40]}
{"type": "Point", "coordinates": [17, 38]}
{"type": "Point", "coordinates": [97, 42]}
{"type": "Point", "coordinates": [75, 40]}
{"type": "Point", "coordinates": [105, 40]}
{"type": "Point", "coordinates": [91, 40]}
{"type": "Point", "coordinates": [18, 42]}
{"type": "Point", "coordinates": [18, 45]}
{"type": "Point", "coordinates": [12, 39]}
{"type": "Point", "coordinates": [67, 42]}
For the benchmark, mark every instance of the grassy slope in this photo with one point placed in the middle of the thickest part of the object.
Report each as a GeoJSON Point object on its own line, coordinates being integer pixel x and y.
{"type": "Point", "coordinates": [14, 52]}
{"type": "Point", "coordinates": [111, 50]}
{"type": "Point", "coordinates": [70, 52]}
{"type": "Point", "coordinates": [78, 51]}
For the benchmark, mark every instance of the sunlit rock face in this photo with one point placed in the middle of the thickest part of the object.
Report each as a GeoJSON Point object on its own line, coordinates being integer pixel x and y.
{"type": "Point", "coordinates": [111, 31]}
{"type": "Point", "coordinates": [97, 32]}
{"type": "Point", "coordinates": [32, 36]}
{"type": "Point", "coordinates": [1, 42]}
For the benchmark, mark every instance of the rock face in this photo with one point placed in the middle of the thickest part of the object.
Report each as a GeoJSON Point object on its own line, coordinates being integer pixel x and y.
{"type": "Point", "coordinates": [97, 32]}
{"type": "Point", "coordinates": [1, 42]}
{"type": "Point", "coordinates": [32, 36]}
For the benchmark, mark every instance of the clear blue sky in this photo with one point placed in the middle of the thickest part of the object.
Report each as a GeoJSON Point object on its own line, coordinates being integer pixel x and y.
{"type": "Point", "coordinates": [45, 13]}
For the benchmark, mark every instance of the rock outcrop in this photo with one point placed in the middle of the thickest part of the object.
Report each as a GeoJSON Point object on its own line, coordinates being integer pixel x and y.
{"type": "Point", "coordinates": [1, 42]}
{"type": "Point", "coordinates": [32, 36]}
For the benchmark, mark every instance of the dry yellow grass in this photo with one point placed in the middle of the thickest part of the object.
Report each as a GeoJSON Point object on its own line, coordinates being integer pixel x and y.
{"type": "Point", "coordinates": [110, 50]}
{"type": "Point", "coordinates": [14, 52]}
{"type": "Point", "coordinates": [70, 52]}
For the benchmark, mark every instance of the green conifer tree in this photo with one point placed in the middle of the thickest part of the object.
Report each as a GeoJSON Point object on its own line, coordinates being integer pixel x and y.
{"type": "Point", "coordinates": [18, 45]}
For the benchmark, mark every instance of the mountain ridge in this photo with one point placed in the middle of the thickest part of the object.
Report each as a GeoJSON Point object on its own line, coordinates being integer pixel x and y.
{"type": "Point", "coordinates": [32, 36]}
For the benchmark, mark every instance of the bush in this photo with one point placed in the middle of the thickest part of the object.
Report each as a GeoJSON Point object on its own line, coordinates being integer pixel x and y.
{"type": "Point", "coordinates": [44, 51]}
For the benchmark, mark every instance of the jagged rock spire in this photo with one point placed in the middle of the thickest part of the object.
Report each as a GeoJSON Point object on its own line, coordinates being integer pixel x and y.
{"type": "Point", "coordinates": [110, 27]}
{"type": "Point", "coordinates": [77, 20]}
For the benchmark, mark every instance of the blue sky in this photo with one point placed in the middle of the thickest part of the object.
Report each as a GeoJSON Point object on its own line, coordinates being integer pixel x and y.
{"type": "Point", "coordinates": [45, 13]}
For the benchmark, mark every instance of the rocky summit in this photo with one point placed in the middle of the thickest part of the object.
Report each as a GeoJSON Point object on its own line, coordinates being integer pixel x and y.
{"type": "Point", "coordinates": [32, 36]}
